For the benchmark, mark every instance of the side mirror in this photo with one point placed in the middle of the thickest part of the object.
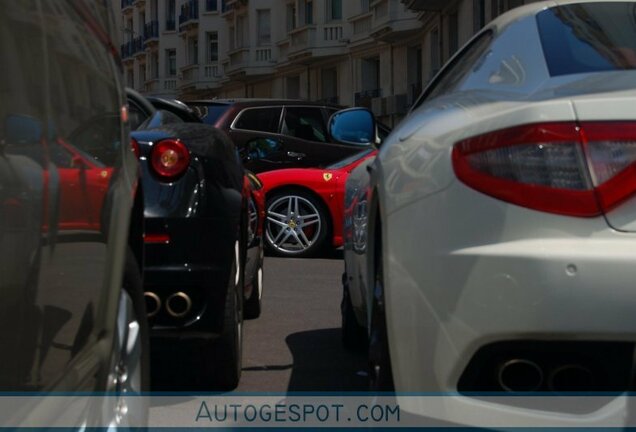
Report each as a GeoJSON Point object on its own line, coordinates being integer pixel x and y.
{"type": "Point", "coordinates": [353, 126]}
{"type": "Point", "coordinates": [261, 149]}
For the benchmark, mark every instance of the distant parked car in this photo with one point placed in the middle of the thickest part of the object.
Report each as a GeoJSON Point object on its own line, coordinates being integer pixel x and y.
{"type": "Point", "coordinates": [72, 315]}
{"type": "Point", "coordinates": [299, 129]}
{"type": "Point", "coordinates": [502, 219]}
{"type": "Point", "coordinates": [199, 246]}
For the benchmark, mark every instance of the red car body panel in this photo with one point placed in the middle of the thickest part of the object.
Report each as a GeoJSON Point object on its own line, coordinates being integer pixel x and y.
{"type": "Point", "coordinates": [327, 184]}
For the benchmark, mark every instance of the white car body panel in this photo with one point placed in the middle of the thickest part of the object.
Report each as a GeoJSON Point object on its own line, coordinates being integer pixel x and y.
{"type": "Point", "coordinates": [463, 269]}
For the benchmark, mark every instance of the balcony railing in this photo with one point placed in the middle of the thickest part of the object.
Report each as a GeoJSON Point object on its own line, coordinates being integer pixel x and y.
{"type": "Point", "coordinates": [151, 30]}
{"type": "Point", "coordinates": [132, 47]}
{"type": "Point", "coordinates": [189, 74]}
{"type": "Point", "coordinates": [263, 54]}
{"type": "Point", "coordinates": [170, 84]}
{"type": "Point", "coordinates": [189, 12]}
{"type": "Point", "coordinates": [363, 98]}
{"type": "Point", "coordinates": [211, 71]}
{"type": "Point", "coordinates": [311, 37]}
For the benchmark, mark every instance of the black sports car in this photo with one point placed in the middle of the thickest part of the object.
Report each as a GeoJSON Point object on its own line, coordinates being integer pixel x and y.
{"type": "Point", "coordinates": [197, 244]}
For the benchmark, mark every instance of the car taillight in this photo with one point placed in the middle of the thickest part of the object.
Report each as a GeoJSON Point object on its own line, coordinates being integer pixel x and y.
{"type": "Point", "coordinates": [565, 168]}
{"type": "Point", "coordinates": [169, 159]}
{"type": "Point", "coordinates": [135, 147]}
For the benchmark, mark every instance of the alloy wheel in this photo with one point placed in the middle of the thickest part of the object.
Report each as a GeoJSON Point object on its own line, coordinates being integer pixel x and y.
{"type": "Point", "coordinates": [294, 224]}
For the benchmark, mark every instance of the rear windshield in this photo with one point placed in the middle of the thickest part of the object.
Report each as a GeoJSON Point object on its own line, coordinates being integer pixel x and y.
{"type": "Point", "coordinates": [589, 37]}
{"type": "Point", "coordinates": [209, 113]}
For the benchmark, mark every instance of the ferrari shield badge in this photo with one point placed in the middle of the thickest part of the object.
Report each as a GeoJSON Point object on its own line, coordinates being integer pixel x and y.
{"type": "Point", "coordinates": [327, 176]}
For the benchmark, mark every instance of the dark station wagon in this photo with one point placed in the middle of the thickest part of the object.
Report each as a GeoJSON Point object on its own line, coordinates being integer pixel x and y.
{"type": "Point", "coordinates": [274, 133]}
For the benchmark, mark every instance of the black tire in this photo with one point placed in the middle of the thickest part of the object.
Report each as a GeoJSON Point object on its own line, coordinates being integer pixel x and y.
{"type": "Point", "coordinates": [354, 336]}
{"type": "Point", "coordinates": [380, 371]}
{"type": "Point", "coordinates": [224, 361]}
{"type": "Point", "coordinates": [254, 304]}
{"type": "Point", "coordinates": [318, 238]}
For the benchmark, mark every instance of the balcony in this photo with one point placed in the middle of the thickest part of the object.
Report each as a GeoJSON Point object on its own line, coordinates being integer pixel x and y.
{"type": "Point", "coordinates": [151, 33]}
{"type": "Point", "coordinates": [230, 7]}
{"type": "Point", "coordinates": [138, 46]}
{"type": "Point", "coordinates": [132, 48]}
{"type": "Point", "coordinates": [189, 76]}
{"type": "Point", "coordinates": [313, 42]}
{"type": "Point", "coordinates": [248, 61]}
{"type": "Point", "coordinates": [126, 6]}
{"type": "Point", "coordinates": [391, 23]}
{"type": "Point", "coordinates": [361, 26]}
{"type": "Point", "coordinates": [189, 17]}
{"type": "Point", "coordinates": [365, 97]}
{"type": "Point", "coordinates": [140, 4]}
{"type": "Point", "coordinates": [425, 5]}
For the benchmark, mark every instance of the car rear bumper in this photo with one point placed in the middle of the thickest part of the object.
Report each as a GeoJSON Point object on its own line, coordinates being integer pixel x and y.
{"type": "Point", "coordinates": [540, 283]}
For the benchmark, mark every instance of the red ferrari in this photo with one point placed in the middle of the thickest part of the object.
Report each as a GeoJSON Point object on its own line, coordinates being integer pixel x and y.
{"type": "Point", "coordinates": [305, 207]}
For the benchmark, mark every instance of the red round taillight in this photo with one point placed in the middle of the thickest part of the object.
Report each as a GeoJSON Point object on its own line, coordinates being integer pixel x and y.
{"type": "Point", "coordinates": [169, 159]}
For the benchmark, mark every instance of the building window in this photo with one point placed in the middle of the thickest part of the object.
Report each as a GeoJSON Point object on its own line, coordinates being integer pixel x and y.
{"type": "Point", "coordinates": [334, 10]}
{"type": "Point", "coordinates": [479, 14]}
{"type": "Point", "coordinates": [364, 6]}
{"type": "Point", "coordinates": [130, 78]}
{"type": "Point", "coordinates": [142, 74]}
{"type": "Point", "coordinates": [242, 36]}
{"type": "Point", "coordinates": [193, 51]}
{"type": "Point", "coordinates": [453, 33]}
{"type": "Point", "coordinates": [414, 72]}
{"type": "Point", "coordinates": [329, 84]}
{"type": "Point", "coordinates": [293, 87]}
{"type": "Point", "coordinates": [291, 16]}
{"type": "Point", "coordinates": [170, 15]}
{"type": "Point", "coordinates": [264, 27]}
{"type": "Point", "coordinates": [211, 5]}
{"type": "Point", "coordinates": [213, 47]}
{"type": "Point", "coordinates": [308, 12]}
{"type": "Point", "coordinates": [171, 62]}
{"type": "Point", "coordinates": [435, 57]}
{"type": "Point", "coordinates": [154, 65]}
{"type": "Point", "coordinates": [142, 23]}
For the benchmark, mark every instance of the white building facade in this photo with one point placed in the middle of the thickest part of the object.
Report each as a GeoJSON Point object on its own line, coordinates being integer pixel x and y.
{"type": "Point", "coordinates": [374, 53]}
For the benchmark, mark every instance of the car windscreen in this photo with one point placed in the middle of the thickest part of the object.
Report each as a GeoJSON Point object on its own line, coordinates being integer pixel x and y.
{"type": "Point", "coordinates": [210, 113]}
{"type": "Point", "coordinates": [589, 37]}
{"type": "Point", "coordinates": [351, 159]}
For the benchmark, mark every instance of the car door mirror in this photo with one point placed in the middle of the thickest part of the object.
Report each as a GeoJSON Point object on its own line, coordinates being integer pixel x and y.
{"type": "Point", "coordinates": [353, 126]}
{"type": "Point", "coordinates": [262, 149]}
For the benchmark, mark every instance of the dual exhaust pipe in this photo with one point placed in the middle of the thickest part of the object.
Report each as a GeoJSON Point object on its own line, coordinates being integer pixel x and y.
{"type": "Point", "coordinates": [177, 304]}
{"type": "Point", "coordinates": [524, 375]}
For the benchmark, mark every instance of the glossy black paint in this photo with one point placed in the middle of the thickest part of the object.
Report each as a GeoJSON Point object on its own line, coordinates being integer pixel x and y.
{"type": "Point", "coordinates": [204, 212]}
{"type": "Point", "coordinates": [298, 149]}
{"type": "Point", "coordinates": [61, 276]}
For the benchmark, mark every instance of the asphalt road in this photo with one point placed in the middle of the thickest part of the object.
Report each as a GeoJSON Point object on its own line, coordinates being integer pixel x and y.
{"type": "Point", "coordinates": [295, 344]}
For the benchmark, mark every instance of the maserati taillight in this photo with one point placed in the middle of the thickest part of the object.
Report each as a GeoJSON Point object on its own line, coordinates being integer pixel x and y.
{"type": "Point", "coordinates": [565, 168]}
{"type": "Point", "coordinates": [169, 159]}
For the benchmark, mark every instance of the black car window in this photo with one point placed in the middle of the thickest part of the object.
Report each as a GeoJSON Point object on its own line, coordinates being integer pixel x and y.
{"type": "Point", "coordinates": [259, 119]}
{"type": "Point", "coordinates": [136, 116]}
{"type": "Point", "coordinates": [591, 37]}
{"type": "Point", "coordinates": [305, 123]}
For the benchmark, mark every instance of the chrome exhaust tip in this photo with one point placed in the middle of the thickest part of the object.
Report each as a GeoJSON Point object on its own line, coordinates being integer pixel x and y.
{"type": "Point", "coordinates": [520, 375]}
{"type": "Point", "coordinates": [153, 304]}
{"type": "Point", "coordinates": [571, 377]}
{"type": "Point", "coordinates": [178, 305]}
